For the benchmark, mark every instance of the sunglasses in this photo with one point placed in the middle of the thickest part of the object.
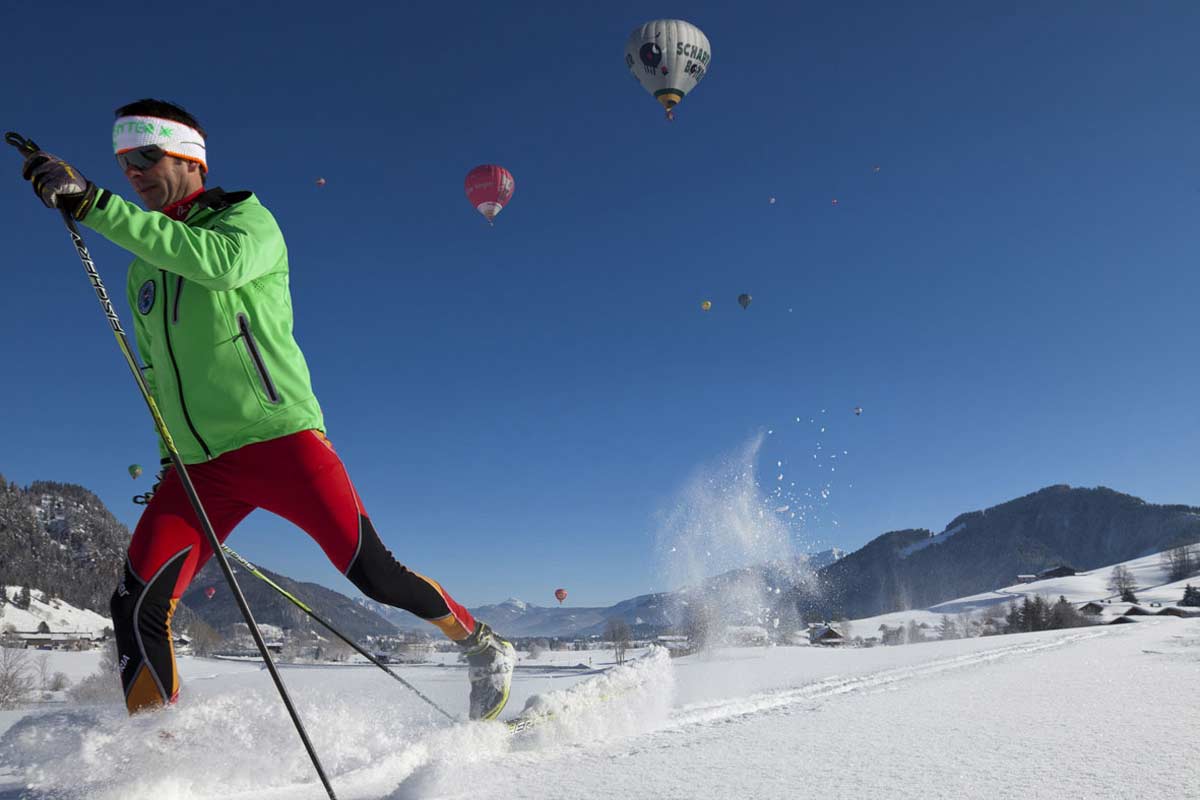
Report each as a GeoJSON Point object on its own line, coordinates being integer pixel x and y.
{"type": "Point", "coordinates": [141, 158]}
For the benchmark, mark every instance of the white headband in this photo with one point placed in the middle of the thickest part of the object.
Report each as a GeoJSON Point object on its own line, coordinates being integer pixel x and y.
{"type": "Point", "coordinates": [177, 139]}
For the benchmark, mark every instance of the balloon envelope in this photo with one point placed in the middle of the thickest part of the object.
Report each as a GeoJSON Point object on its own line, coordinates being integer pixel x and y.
{"type": "Point", "coordinates": [561, 594]}
{"type": "Point", "coordinates": [669, 57]}
{"type": "Point", "coordinates": [320, 181]}
{"type": "Point", "coordinates": [489, 188]}
{"type": "Point", "coordinates": [135, 471]}
{"type": "Point", "coordinates": [858, 411]}
{"type": "Point", "coordinates": [744, 300]}
{"type": "Point", "coordinates": [706, 305]}
{"type": "Point", "coordinates": [209, 592]}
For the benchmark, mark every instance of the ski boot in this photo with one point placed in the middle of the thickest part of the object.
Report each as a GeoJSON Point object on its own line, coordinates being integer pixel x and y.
{"type": "Point", "coordinates": [490, 662]}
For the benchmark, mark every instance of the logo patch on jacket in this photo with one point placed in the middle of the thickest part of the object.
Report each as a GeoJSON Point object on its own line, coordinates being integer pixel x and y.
{"type": "Point", "coordinates": [145, 297]}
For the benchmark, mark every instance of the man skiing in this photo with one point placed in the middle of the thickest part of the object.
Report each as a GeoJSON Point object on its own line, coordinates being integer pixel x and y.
{"type": "Point", "coordinates": [213, 323]}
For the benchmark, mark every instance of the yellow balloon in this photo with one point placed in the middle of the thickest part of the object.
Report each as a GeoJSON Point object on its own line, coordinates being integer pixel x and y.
{"type": "Point", "coordinates": [706, 305]}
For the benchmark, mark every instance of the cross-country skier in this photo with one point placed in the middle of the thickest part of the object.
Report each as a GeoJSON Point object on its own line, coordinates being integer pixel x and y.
{"type": "Point", "coordinates": [213, 321]}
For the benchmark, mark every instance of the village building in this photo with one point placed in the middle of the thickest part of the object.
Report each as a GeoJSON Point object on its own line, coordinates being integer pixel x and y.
{"type": "Point", "coordinates": [825, 635]}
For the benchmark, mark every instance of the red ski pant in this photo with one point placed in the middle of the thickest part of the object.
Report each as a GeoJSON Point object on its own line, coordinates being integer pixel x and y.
{"type": "Point", "coordinates": [300, 478]}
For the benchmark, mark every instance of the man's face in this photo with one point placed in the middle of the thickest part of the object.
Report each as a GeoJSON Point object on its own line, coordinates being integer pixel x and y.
{"type": "Point", "coordinates": [167, 182]}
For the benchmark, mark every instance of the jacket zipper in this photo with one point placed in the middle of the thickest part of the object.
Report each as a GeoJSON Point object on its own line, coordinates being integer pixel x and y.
{"type": "Point", "coordinates": [252, 348]}
{"type": "Point", "coordinates": [178, 379]}
{"type": "Point", "coordinates": [175, 305]}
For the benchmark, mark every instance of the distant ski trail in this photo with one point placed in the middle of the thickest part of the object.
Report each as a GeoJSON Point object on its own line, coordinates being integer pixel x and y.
{"type": "Point", "coordinates": [766, 702]}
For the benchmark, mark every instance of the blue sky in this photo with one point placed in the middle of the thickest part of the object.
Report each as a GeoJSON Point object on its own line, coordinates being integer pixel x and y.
{"type": "Point", "coordinates": [1010, 298]}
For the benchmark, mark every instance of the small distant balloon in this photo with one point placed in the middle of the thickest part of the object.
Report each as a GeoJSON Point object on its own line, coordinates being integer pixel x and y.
{"type": "Point", "coordinates": [210, 591]}
{"type": "Point", "coordinates": [560, 595]}
{"type": "Point", "coordinates": [135, 471]}
{"type": "Point", "coordinates": [875, 168]}
{"type": "Point", "coordinates": [771, 201]}
{"type": "Point", "coordinates": [833, 202]}
{"type": "Point", "coordinates": [320, 181]}
{"type": "Point", "coordinates": [706, 305]}
{"type": "Point", "coordinates": [744, 300]}
{"type": "Point", "coordinates": [858, 411]}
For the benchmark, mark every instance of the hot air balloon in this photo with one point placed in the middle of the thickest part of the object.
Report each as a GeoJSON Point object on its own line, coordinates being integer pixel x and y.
{"type": "Point", "coordinates": [858, 411]}
{"type": "Point", "coordinates": [135, 471]}
{"type": "Point", "coordinates": [668, 57]}
{"type": "Point", "coordinates": [771, 201]}
{"type": "Point", "coordinates": [706, 305]}
{"type": "Point", "coordinates": [320, 181]}
{"type": "Point", "coordinates": [561, 594]}
{"type": "Point", "coordinates": [875, 168]}
{"type": "Point", "coordinates": [744, 300]}
{"type": "Point", "coordinates": [210, 591]}
{"type": "Point", "coordinates": [833, 202]}
{"type": "Point", "coordinates": [489, 188]}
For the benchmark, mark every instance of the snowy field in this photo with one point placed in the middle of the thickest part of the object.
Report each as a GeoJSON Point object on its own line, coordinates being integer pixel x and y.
{"type": "Point", "coordinates": [1101, 712]}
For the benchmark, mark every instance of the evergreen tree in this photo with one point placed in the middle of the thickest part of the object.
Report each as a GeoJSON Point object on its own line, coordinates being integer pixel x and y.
{"type": "Point", "coordinates": [23, 599]}
{"type": "Point", "coordinates": [43, 627]}
{"type": "Point", "coordinates": [1065, 615]}
{"type": "Point", "coordinates": [1027, 615]}
{"type": "Point", "coordinates": [1191, 596]}
{"type": "Point", "coordinates": [947, 630]}
{"type": "Point", "coordinates": [1012, 621]}
{"type": "Point", "coordinates": [1040, 614]}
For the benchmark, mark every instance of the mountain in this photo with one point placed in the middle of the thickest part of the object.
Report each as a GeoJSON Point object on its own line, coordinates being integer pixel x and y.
{"type": "Point", "coordinates": [982, 550]}
{"type": "Point", "coordinates": [59, 538]}
{"type": "Point", "coordinates": [270, 607]}
{"type": "Point", "coordinates": [743, 592]}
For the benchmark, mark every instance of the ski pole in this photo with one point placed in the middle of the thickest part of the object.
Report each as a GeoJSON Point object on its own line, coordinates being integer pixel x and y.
{"type": "Point", "coordinates": [26, 147]}
{"type": "Point", "coordinates": [256, 572]}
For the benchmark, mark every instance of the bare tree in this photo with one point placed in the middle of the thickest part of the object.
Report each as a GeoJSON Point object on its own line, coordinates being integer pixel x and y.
{"type": "Point", "coordinates": [617, 632]}
{"type": "Point", "coordinates": [41, 667]}
{"type": "Point", "coordinates": [1121, 581]}
{"type": "Point", "coordinates": [1181, 562]}
{"type": "Point", "coordinates": [16, 677]}
{"type": "Point", "coordinates": [103, 685]}
{"type": "Point", "coordinates": [205, 639]}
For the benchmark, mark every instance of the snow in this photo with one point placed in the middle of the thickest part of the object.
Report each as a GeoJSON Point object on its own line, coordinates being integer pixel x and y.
{"type": "Point", "coordinates": [61, 617]}
{"type": "Point", "coordinates": [938, 539]}
{"type": "Point", "coordinates": [1019, 716]}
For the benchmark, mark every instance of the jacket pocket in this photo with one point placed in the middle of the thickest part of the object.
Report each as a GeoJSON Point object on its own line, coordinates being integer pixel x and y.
{"type": "Point", "coordinates": [256, 358]}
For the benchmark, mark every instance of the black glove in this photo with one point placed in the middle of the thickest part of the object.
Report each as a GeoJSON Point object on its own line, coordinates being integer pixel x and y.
{"type": "Point", "coordinates": [59, 185]}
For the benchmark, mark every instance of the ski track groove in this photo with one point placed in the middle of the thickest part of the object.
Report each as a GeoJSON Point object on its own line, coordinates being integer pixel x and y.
{"type": "Point", "coordinates": [729, 710]}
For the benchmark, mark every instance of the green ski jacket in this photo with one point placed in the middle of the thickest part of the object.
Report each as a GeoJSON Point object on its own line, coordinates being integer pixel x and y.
{"type": "Point", "coordinates": [213, 321]}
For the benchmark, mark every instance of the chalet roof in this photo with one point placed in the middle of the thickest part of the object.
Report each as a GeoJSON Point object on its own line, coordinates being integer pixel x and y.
{"type": "Point", "coordinates": [1122, 621]}
{"type": "Point", "coordinates": [1176, 611]}
{"type": "Point", "coordinates": [1138, 611]}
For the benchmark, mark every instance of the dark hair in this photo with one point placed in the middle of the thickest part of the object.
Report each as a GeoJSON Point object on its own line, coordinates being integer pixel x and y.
{"type": "Point", "coordinates": [149, 107]}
